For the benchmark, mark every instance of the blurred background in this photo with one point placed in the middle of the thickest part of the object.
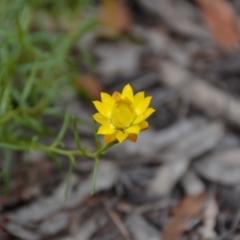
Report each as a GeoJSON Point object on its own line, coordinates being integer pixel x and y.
{"type": "Point", "coordinates": [181, 179]}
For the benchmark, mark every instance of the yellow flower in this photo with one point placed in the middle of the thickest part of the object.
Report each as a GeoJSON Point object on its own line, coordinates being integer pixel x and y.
{"type": "Point", "coordinates": [122, 115]}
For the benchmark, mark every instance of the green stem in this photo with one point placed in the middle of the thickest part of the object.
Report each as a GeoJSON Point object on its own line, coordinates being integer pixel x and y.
{"type": "Point", "coordinates": [104, 148]}
{"type": "Point", "coordinates": [96, 164]}
{"type": "Point", "coordinates": [94, 177]}
{"type": "Point", "coordinates": [57, 150]}
{"type": "Point", "coordinates": [68, 153]}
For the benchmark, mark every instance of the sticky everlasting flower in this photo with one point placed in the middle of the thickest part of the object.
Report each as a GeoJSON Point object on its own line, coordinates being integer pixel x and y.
{"type": "Point", "coordinates": [122, 115]}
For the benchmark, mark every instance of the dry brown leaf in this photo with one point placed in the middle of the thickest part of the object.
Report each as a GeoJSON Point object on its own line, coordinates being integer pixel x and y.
{"type": "Point", "coordinates": [221, 21]}
{"type": "Point", "coordinates": [115, 15]}
{"type": "Point", "coordinates": [188, 208]}
{"type": "Point", "coordinates": [90, 85]}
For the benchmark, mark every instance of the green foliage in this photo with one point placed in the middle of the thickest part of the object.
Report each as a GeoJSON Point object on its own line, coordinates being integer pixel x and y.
{"type": "Point", "coordinates": [37, 37]}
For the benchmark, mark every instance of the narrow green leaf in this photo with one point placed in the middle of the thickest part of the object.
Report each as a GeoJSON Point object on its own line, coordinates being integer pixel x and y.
{"type": "Point", "coordinates": [70, 172]}
{"type": "Point", "coordinates": [63, 129]}
{"type": "Point", "coordinates": [28, 86]}
{"type": "Point", "coordinates": [76, 136]}
{"type": "Point", "coordinates": [5, 99]}
{"type": "Point", "coordinates": [30, 123]}
{"type": "Point", "coordinates": [94, 177]}
{"type": "Point", "coordinates": [66, 42]}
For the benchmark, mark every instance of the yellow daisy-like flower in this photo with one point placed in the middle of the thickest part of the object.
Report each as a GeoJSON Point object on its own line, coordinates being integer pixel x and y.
{"type": "Point", "coordinates": [122, 115]}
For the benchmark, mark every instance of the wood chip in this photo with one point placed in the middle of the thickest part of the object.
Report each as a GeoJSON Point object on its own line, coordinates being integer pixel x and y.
{"type": "Point", "coordinates": [201, 94]}
{"type": "Point", "coordinates": [125, 64]}
{"type": "Point", "coordinates": [108, 174]}
{"type": "Point", "coordinates": [222, 167]}
{"type": "Point", "coordinates": [141, 229]}
{"type": "Point", "coordinates": [20, 232]}
{"type": "Point", "coordinates": [192, 185]}
{"type": "Point", "coordinates": [167, 176]}
{"type": "Point", "coordinates": [210, 213]}
{"type": "Point", "coordinates": [54, 225]}
{"type": "Point", "coordinates": [175, 19]}
{"type": "Point", "coordinates": [196, 143]}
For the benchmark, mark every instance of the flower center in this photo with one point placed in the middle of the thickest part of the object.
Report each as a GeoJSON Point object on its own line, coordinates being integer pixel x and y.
{"type": "Point", "coordinates": [123, 115]}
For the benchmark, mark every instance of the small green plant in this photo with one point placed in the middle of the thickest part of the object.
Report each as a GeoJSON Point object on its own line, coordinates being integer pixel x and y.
{"type": "Point", "coordinates": [35, 65]}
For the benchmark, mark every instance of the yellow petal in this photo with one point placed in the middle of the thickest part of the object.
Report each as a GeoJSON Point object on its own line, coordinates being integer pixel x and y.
{"type": "Point", "coordinates": [106, 129]}
{"type": "Point", "coordinates": [143, 125]}
{"type": "Point", "coordinates": [98, 117]}
{"type": "Point", "coordinates": [121, 136]}
{"type": "Point", "coordinates": [133, 129]}
{"type": "Point", "coordinates": [138, 98]}
{"type": "Point", "coordinates": [144, 116]}
{"type": "Point", "coordinates": [102, 109]}
{"type": "Point", "coordinates": [127, 92]}
{"type": "Point", "coordinates": [107, 99]}
{"type": "Point", "coordinates": [109, 138]}
{"type": "Point", "coordinates": [143, 105]}
{"type": "Point", "coordinates": [132, 137]}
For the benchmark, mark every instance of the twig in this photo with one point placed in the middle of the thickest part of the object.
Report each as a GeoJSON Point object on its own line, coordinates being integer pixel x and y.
{"type": "Point", "coordinates": [235, 224]}
{"type": "Point", "coordinates": [116, 219]}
